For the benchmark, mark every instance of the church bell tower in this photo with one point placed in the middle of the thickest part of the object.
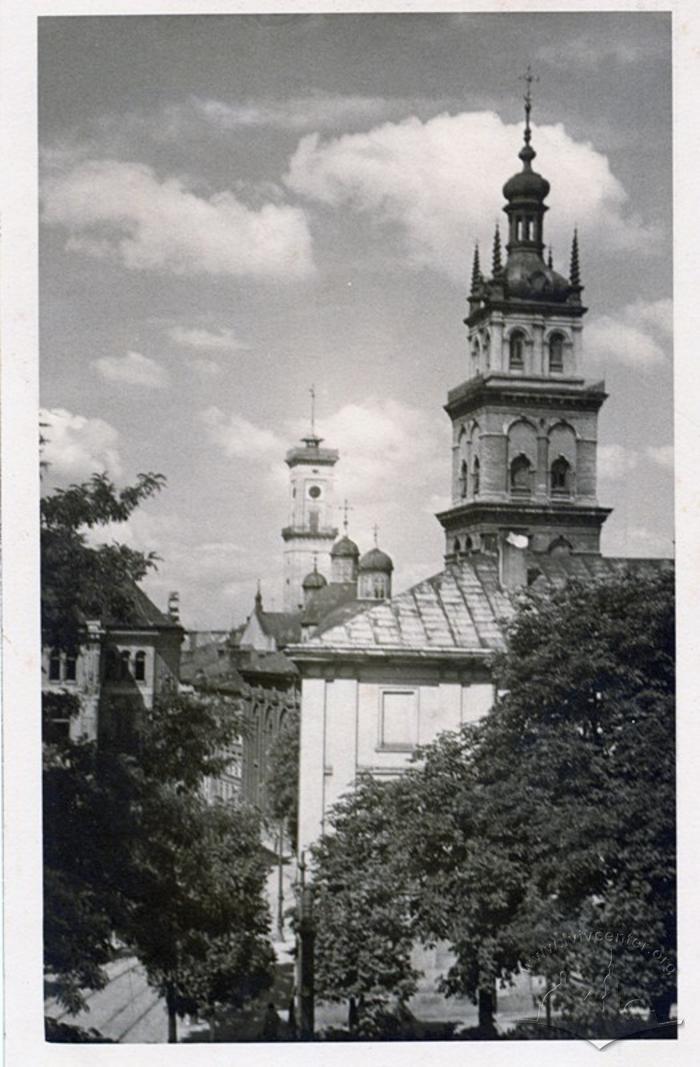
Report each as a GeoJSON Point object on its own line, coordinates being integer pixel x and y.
{"type": "Point", "coordinates": [525, 420]}
{"type": "Point", "coordinates": [309, 536]}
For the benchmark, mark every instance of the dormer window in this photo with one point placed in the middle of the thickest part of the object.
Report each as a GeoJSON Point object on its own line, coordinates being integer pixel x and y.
{"type": "Point", "coordinates": [556, 354]}
{"type": "Point", "coordinates": [517, 350]}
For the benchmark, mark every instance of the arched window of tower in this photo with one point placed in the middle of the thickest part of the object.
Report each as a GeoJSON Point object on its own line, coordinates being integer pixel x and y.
{"type": "Point", "coordinates": [475, 476]}
{"type": "Point", "coordinates": [556, 354]}
{"type": "Point", "coordinates": [516, 346]}
{"type": "Point", "coordinates": [561, 477]}
{"type": "Point", "coordinates": [521, 476]}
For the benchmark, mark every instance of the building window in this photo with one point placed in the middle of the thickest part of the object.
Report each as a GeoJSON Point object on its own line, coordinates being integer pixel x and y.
{"type": "Point", "coordinates": [463, 478]}
{"type": "Point", "coordinates": [125, 665]}
{"type": "Point", "coordinates": [313, 520]}
{"type": "Point", "coordinates": [521, 476]}
{"type": "Point", "coordinates": [62, 666]}
{"type": "Point", "coordinates": [517, 350]}
{"type": "Point", "coordinates": [398, 727]}
{"type": "Point", "coordinates": [475, 476]}
{"type": "Point", "coordinates": [561, 477]}
{"type": "Point", "coordinates": [457, 546]}
{"type": "Point", "coordinates": [556, 354]}
{"type": "Point", "coordinates": [140, 667]}
{"type": "Point", "coordinates": [55, 666]}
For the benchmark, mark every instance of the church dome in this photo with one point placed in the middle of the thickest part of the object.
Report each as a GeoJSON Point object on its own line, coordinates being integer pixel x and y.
{"type": "Point", "coordinates": [376, 560]}
{"type": "Point", "coordinates": [314, 580]}
{"type": "Point", "coordinates": [345, 549]}
{"type": "Point", "coordinates": [526, 276]}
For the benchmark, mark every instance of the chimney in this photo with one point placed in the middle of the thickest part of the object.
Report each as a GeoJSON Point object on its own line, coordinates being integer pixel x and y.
{"type": "Point", "coordinates": [174, 607]}
{"type": "Point", "coordinates": [512, 561]}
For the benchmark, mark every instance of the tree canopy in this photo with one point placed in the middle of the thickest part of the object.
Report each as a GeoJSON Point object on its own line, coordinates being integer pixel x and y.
{"type": "Point", "coordinates": [132, 851]}
{"type": "Point", "coordinates": [543, 835]}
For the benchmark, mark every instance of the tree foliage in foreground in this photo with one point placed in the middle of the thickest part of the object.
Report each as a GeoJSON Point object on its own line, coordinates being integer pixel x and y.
{"type": "Point", "coordinates": [282, 782]}
{"type": "Point", "coordinates": [363, 935]}
{"type": "Point", "coordinates": [525, 839]}
{"type": "Point", "coordinates": [131, 850]}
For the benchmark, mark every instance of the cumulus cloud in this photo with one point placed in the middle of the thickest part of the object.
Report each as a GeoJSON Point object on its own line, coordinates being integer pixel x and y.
{"type": "Point", "coordinates": [124, 210]}
{"type": "Point", "coordinates": [636, 335]}
{"type": "Point", "coordinates": [132, 369]}
{"type": "Point", "coordinates": [77, 446]}
{"type": "Point", "coordinates": [198, 337]}
{"type": "Point", "coordinates": [425, 180]}
{"type": "Point", "coordinates": [615, 461]}
{"type": "Point", "coordinates": [240, 438]}
{"type": "Point", "coordinates": [661, 454]}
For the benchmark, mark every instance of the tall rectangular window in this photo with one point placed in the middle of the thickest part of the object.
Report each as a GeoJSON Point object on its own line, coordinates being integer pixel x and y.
{"type": "Point", "coordinates": [398, 727]}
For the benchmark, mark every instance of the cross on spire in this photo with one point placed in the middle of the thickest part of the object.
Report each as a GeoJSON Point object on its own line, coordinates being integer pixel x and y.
{"type": "Point", "coordinates": [315, 562]}
{"type": "Point", "coordinates": [528, 77]}
{"type": "Point", "coordinates": [312, 392]}
{"type": "Point", "coordinates": [345, 508]}
{"type": "Point", "coordinates": [375, 531]}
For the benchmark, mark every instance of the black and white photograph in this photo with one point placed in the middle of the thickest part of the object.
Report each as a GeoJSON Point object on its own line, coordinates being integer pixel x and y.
{"type": "Point", "coordinates": [354, 661]}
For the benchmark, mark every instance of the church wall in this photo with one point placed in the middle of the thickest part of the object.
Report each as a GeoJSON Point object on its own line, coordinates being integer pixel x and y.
{"type": "Point", "coordinates": [342, 723]}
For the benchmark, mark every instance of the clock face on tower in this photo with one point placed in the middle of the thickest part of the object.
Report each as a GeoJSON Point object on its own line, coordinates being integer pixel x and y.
{"type": "Point", "coordinates": [314, 491]}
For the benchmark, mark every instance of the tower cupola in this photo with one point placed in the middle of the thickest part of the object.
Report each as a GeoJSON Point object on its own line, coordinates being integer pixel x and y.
{"type": "Point", "coordinates": [375, 570]}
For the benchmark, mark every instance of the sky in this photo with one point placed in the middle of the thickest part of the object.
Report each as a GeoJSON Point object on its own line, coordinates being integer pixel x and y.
{"type": "Point", "coordinates": [235, 207]}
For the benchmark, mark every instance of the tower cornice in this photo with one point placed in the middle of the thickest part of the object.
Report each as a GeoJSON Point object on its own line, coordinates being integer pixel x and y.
{"type": "Point", "coordinates": [497, 389]}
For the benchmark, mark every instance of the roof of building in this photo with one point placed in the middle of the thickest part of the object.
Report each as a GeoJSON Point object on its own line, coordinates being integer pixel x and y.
{"type": "Point", "coordinates": [140, 613]}
{"type": "Point", "coordinates": [326, 601]}
{"type": "Point", "coordinates": [314, 580]}
{"type": "Point", "coordinates": [376, 560]}
{"type": "Point", "coordinates": [345, 548]}
{"type": "Point", "coordinates": [284, 626]}
{"type": "Point", "coordinates": [461, 609]}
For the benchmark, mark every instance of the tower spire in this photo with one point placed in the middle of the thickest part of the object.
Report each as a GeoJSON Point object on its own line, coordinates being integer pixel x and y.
{"type": "Point", "coordinates": [575, 269]}
{"type": "Point", "coordinates": [476, 268]}
{"type": "Point", "coordinates": [550, 259]}
{"type": "Point", "coordinates": [497, 265]}
{"type": "Point", "coordinates": [345, 508]}
{"type": "Point", "coordinates": [375, 531]}
{"type": "Point", "coordinates": [527, 153]}
{"type": "Point", "coordinates": [312, 392]}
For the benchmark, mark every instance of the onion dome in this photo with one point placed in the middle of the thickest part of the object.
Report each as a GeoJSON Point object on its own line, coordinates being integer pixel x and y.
{"type": "Point", "coordinates": [527, 184]}
{"type": "Point", "coordinates": [376, 560]}
{"type": "Point", "coordinates": [345, 549]}
{"type": "Point", "coordinates": [313, 581]}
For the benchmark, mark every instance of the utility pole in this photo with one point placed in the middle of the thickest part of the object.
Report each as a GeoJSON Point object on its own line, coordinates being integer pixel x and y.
{"type": "Point", "coordinates": [306, 956]}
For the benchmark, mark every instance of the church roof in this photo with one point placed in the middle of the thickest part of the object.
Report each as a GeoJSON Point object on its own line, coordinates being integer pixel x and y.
{"type": "Point", "coordinates": [458, 609]}
{"type": "Point", "coordinates": [463, 609]}
{"type": "Point", "coordinates": [345, 548]}
{"type": "Point", "coordinates": [284, 626]}
{"type": "Point", "coordinates": [376, 560]}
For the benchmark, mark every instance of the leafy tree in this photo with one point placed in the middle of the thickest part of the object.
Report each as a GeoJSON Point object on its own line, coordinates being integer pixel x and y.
{"type": "Point", "coordinates": [528, 839]}
{"type": "Point", "coordinates": [87, 819]}
{"type": "Point", "coordinates": [363, 937]}
{"type": "Point", "coordinates": [78, 580]}
{"type": "Point", "coordinates": [131, 849]}
{"type": "Point", "coordinates": [198, 920]}
{"type": "Point", "coordinates": [534, 827]}
{"type": "Point", "coordinates": [282, 784]}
